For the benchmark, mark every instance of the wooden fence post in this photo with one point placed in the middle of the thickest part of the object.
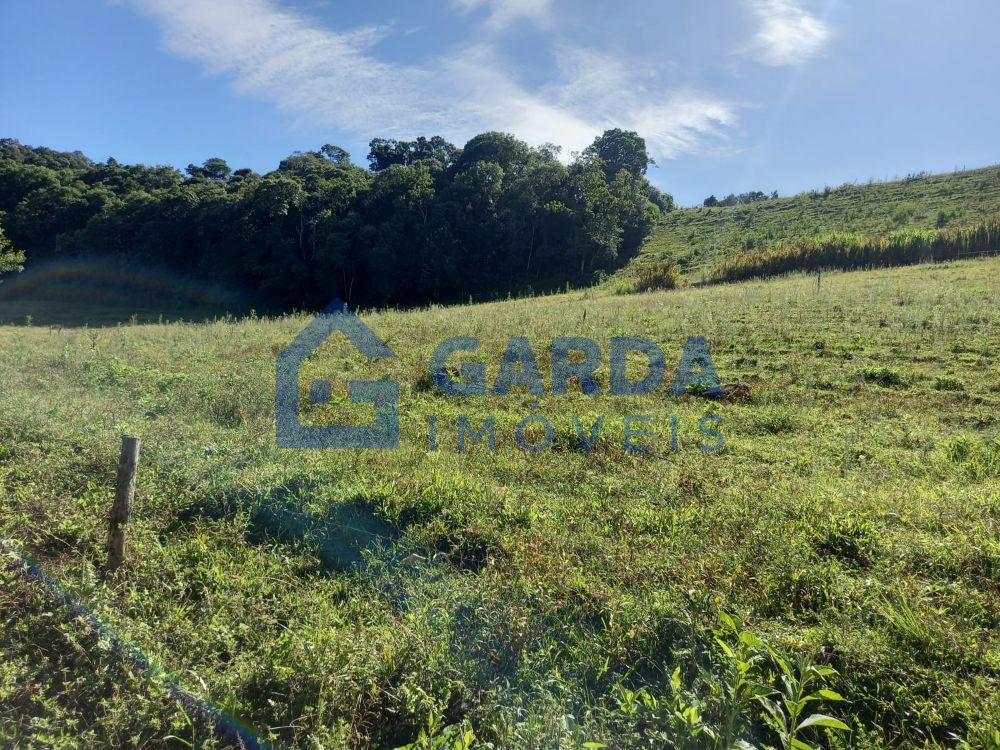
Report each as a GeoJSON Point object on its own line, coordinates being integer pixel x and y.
{"type": "Point", "coordinates": [124, 494]}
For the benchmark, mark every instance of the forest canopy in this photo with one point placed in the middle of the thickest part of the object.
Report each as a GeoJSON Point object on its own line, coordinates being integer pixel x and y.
{"type": "Point", "coordinates": [426, 222]}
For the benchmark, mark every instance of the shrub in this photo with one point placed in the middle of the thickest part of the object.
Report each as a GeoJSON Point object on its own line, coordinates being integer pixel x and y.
{"type": "Point", "coordinates": [946, 383]}
{"type": "Point", "coordinates": [883, 376]}
{"type": "Point", "coordinates": [850, 538]}
{"type": "Point", "coordinates": [655, 278]}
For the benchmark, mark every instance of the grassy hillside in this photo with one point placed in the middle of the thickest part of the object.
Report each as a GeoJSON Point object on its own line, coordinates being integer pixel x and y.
{"type": "Point", "coordinates": [697, 238]}
{"type": "Point", "coordinates": [528, 600]}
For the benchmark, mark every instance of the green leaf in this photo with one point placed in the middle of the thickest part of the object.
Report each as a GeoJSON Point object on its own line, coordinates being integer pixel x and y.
{"type": "Point", "coordinates": [782, 664]}
{"type": "Point", "coordinates": [800, 745]}
{"type": "Point", "coordinates": [774, 715]}
{"type": "Point", "coordinates": [725, 647]}
{"type": "Point", "coordinates": [831, 695]}
{"type": "Point", "coordinates": [760, 690]}
{"type": "Point", "coordinates": [594, 744]}
{"type": "Point", "coordinates": [822, 720]}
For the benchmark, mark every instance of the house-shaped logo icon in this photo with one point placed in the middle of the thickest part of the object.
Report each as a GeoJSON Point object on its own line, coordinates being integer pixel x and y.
{"type": "Point", "coordinates": [384, 394]}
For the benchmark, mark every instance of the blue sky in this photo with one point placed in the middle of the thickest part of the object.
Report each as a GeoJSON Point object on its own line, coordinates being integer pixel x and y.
{"type": "Point", "coordinates": [731, 95]}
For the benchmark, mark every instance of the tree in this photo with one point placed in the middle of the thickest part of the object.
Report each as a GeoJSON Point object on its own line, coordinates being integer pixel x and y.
{"type": "Point", "coordinates": [740, 200]}
{"type": "Point", "coordinates": [599, 231]}
{"type": "Point", "coordinates": [10, 259]}
{"type": "Point", "coordinates": [215, 169]}
{"type": "Point", "coordinates": [243, 176]}
{"type": "Point", "coordinates": [620, 149]}
{"type": "Point", "coordinates": [384, 153]}
{"type": "Point", "coordinates": [664, 201]}
{"type": "Point", "coordinates": [397, 211]}
{"type": "Point", "coordinates": [335, 154]}
{"type": "Point", "coordinates": [18, 180]}
{"type": "Point", "coordinates": [504, 149]}
{"type": "Point", "coordinates": [52, 210]}
{"type": "Point", "coordinates": [635, 211]}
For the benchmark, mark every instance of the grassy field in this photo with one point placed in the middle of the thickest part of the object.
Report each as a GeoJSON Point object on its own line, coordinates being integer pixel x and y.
{"type": "Point", "coordinates": [698, 238]}
{"type": "Point", "coordinates": [843, 544]}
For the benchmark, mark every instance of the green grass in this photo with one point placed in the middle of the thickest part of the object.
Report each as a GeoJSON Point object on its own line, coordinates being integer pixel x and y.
{"type": "Point", "coordinates": [699, 238]}
{"type": "Point", "coordinates": [344, 599]}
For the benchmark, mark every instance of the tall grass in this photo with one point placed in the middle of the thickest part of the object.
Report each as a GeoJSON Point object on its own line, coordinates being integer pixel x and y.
{"type": "Point", "coordinates": [852, 250]}
{"type": "Point", "coordinates": [652, 279]}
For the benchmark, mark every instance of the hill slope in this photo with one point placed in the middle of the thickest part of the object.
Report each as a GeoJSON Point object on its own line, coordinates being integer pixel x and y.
{"type": "Point", "coordinates": [698, 237]}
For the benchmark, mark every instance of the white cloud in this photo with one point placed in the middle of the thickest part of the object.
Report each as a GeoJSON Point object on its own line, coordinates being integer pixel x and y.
{"type": "Point", "coordinates": [617, 94]}
{"type": "Point", "coordinates": [505, 12]}
{"type": "Point", "coordinates": [787, 34]}
{"type": "Point", "coordinates": [334, 79]}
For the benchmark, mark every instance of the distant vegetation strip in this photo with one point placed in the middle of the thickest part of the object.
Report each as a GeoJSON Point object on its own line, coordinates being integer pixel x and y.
{"type": "Point", "coordinates": [697, 239]}
{"type": "Point", "coordinates": [854, 250]}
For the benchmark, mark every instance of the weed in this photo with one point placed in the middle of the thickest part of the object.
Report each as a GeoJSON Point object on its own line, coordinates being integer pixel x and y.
{"type": "Point", "coordinates": [883, 376]}
{"type": "Point", "coordinates": [655, 278]}
{"type": "Point", "coordinates": [946, 383]}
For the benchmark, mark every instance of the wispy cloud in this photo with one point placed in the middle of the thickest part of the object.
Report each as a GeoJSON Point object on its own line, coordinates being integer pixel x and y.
{"type": "Point", "coordinates": [787, 34]}
{"type": "Point", "coordinates": [505, 12]}
{"type": "Point", "coordinates": [335, 79]}
{"type": "Point", "coordinates": [619, 93]}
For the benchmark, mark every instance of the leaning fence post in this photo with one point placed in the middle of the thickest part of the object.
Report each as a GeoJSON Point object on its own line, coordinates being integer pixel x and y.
{"type": "Point", "coordinates": [124, 493]}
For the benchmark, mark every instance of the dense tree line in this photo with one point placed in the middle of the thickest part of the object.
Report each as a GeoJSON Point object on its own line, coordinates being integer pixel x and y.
{"type": "Point", "coordinates": [426, 222]}
{"type": "Point", "coordinates": [739, 200]}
